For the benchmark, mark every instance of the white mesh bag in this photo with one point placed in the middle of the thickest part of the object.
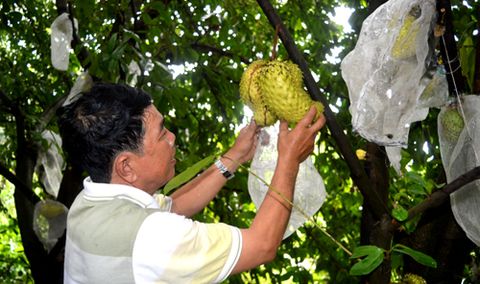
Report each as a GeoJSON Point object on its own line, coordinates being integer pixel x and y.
{"type": "Point", "coordinates": [83, 83]}
{"type": "Point", "coordinates": [62, 34]}
{"type": "Point", "coordinates": [460, 148]}
{"type": "Point", "coordinates": [50, 163]}
{"type": "Point", "coordinates": [49, 221]}
{"type": "Point", "coordinates": [385, 73]}
{"type": "Point", "coordinates": [435, 94]}
{"type": "Point", "coordinates": [309, 187]}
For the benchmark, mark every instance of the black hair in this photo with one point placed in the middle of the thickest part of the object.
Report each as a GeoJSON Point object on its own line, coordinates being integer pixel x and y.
{"type": "Point", "coordinates": [103, 122]}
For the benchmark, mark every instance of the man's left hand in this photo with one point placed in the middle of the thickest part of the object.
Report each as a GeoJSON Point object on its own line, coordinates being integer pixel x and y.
{"type": "Point", "coordinates": [245, 145]}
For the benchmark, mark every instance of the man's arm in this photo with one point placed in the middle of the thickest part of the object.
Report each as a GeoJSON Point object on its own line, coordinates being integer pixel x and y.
{"type": "Point", "coordinates": [195, 195]}
{"type": "Point", "coordinates": [262, 239]}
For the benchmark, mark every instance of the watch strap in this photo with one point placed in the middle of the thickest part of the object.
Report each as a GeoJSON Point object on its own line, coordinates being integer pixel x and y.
{"type": "Point", "coordinates": [223, 169]}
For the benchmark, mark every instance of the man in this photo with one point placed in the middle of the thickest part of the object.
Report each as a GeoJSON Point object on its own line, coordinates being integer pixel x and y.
{"type": "Point", "coordinates": [120, 231]}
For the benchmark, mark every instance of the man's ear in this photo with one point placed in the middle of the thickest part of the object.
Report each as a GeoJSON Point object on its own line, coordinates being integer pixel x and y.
{"type": "Point", "coordinates": [123, 167]}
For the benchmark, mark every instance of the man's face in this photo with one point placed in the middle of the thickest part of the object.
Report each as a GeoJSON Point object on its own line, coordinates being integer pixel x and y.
{"type": "Point", "coordinates": [157, 164]}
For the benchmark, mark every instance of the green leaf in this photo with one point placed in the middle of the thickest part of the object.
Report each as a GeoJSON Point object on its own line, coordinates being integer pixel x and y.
{"type": "Point", "coordinates": [419, 257]}
{"type": "Point", "coordinates": [188, 174]}
{"type": "Point", "coordinates": [400, 213]}
{"type": "Point", "coordinates": [112, 42]}
{"type": "Point", "coordinates": [374, 257]}
{"type": "Point", "coordinates": [365, 250]}
{"type": "Point", "coordinates": [397, 260]}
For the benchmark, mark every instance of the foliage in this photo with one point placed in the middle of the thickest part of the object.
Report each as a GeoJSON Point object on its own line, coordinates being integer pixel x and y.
{"type": "Point", "coordinates": [373, 256]}
{"type": "Point", "coordinates": [13, 264]}
{"type": "Point", "coordinates": [191, 55]}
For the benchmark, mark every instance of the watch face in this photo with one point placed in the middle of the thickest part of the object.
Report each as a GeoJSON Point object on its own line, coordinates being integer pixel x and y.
{"type": "Point", "coordinates": [228, 174]}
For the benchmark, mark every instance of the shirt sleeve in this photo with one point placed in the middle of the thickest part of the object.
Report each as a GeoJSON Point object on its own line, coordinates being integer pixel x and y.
{"type": "Point", "coordinates": [173, 249]}
{"type": "Point", "coordinates": [164, 202]}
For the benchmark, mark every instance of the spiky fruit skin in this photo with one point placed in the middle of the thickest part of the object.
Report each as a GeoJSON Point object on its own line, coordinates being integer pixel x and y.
{"type": "Point", "coordinates": [452, 124]}
{"type": "Point", "coordinates": [405, 44]}
{"type": "Point", "coordinates": [283, 93]}
{"type": "Point", "coordinates": [411, 278]}
{"type": "Point", "coordinates": [250, 93]}
{"type": "Point", "coordinates": [274, 90]}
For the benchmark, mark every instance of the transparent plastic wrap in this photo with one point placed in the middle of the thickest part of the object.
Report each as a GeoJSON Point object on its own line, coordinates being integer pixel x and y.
{"type": "Point", "coordinates": [459, 148]}
{"type": "Point", "coordinates": [385, 73]}
{"type": "Point", "coordinates": [309, 187]}
{"type": "Point", "coordinates": [62, 34]}
{"type": "Point", "coordinates": [50, 163]}
{"type": "Point", "coordinates": [49, 222]}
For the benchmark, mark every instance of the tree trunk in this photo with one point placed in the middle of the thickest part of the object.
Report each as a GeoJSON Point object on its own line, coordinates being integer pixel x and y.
{"type": "Point", "coordinates": [34, 250]}
{"type": "Point", "coordinates": [377, 231]}
{"type": "Point", "coordinates": [439, 236]}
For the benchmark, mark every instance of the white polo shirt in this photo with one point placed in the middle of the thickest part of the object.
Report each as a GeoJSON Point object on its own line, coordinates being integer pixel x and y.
{"type": "Point", "coordinates": [121, 234]}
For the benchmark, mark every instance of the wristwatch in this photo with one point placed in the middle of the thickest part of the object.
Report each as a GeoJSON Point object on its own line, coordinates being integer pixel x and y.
{"type": "Point", "coordinates": [223, 169]}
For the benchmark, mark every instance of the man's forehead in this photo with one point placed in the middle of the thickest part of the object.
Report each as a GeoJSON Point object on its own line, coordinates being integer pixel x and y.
{"type": "Point", "coordinates": [152, 113]}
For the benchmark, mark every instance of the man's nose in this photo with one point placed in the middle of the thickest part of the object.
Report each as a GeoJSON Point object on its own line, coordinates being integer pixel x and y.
{"type": "Point", "coordinates": [172, 139]}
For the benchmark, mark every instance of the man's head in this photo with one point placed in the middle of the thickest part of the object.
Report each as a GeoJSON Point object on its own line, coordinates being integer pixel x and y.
{"type": "Point", "coordinates": [117, 135]}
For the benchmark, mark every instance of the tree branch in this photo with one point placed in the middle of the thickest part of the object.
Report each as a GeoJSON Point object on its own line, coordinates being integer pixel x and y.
{"type": "Point", "coordinates": [440, 196]}
{"type": "Point", "coordinates": [357, 172]}
{"type": "Point", "coordinates": [7, 104]}
{"type": "Point", "coordinates": [49, 112]}
{"type": "Point", "coordinates": [206, 48]}
{"type": "Point", "coordinates": [24, 189]}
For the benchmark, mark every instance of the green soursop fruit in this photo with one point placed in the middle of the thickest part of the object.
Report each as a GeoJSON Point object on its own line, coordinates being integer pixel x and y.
{"type": "Point", "coordinates": [274, 90]}
{"type": "Point", "coordinates": [452, 124]}
{"type": "Point", "coordinates": [282, 90]}
{"type": "Point", "coordinates": [405, 43]}
{"type": "Point", "coordinates": [251, 94]}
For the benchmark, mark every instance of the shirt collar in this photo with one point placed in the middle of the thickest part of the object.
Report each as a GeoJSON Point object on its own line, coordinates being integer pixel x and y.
{"type": "Point", "coordinates": [108, 191]}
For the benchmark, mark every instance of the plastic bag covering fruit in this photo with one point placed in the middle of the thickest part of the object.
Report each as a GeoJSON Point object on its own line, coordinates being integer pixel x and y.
{"type": "Point", "coordinates": [309, 187]}
{"type": "Point", "coordinates": [274, 90]}
{"type": "Point", "coordinates": [460, 152]}
{"type": "Point", "coordinates": [50, 163]}
{"type": "Point", "coordinates": [386, 73]}
{"type": "Point", "coordinates": [49, 221]}
{"type": "Point", "coordinates": [62, 34]}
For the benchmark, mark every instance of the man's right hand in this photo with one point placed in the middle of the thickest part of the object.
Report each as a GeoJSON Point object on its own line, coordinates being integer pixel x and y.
{"type": "Point", "coordinates": [297, 144]}
{"type": "Point", "coordinates": [261, 241]}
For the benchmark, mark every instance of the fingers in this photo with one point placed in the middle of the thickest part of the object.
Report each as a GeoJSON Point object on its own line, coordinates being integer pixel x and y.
{"type": "Point", "coordinates": [250, 130]}
{"type": "Point", "coordinates": [252, 124]}
{"type": "Point", "coordinates": [283, 126]}
{"type": "Point", "coordinates": [319, 123]}
{"type": "Point", "coordinates": [308, 118]}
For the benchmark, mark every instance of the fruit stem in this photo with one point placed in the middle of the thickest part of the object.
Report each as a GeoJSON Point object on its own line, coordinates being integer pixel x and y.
{"type": "Point", "coordinates": [275, 43]}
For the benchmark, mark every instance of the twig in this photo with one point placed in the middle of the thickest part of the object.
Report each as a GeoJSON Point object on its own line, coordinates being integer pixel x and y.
{"type": "Point", "coordinates": [275, 43]}
{"type": "Point", "coordinates": [206, 48]}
